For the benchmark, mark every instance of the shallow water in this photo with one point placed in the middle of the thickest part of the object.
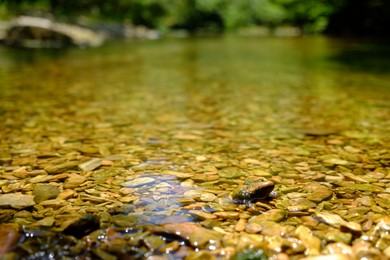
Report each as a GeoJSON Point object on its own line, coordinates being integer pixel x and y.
{"type": "Point", "coordinates": [232, 108]}
{"type": "Point", "coordinates": [265, 84]}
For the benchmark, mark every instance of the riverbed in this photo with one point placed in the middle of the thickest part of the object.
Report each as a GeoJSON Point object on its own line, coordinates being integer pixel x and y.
{"type": "Point", "coordinates": [135, 149]}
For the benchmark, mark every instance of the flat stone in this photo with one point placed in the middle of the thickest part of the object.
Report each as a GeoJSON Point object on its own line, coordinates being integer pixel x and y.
{"type": "Point", "coordinates": [193, 194]}
{"type": "Point", "coordinates": [16, 200]}
{"type": "Point", "coordinates": [56, 203]}
{"type": "Point", "coordinates": [207, 197]}
{"type": "Point", "coordinates": [331, 219]}
{"type": "Point", "coordinates": [41, 178]}
{"type": "Point", "coordinates": [202, 215]}
{"type": "Point", "coordinates": [90, 165]}
{"type": "Point", "coordinates": [240, 225]}
{"type": "Point", "coordinates": [321, 194]}
{"type": "Point", "coordinates": [204, 177]}
{"type": "Point", "coordinates": [63, 167]}
{"type": "Point", "coordinates": [45, 222]}
{"type": "Point", "coordinates": [181, 175]}
{"type": "Point", "coordinates": [336, 161]}
{"type": "Point", "coordinates": [74, 181]}
{"type": "Point", "coordinates": [65, 194]}
{"type": "Point", "coordinates": [228, 214]}
{"type": "Point", "coordinates": [9, 237]}
{"type": "Point", "coordinates": [43, 192]}
{"type": "Point", "coordinates": [139, 182]}
{"type": "Point", "coordinates": [308, 239]}
{"type": "Point", "coordinates": [276, 215]}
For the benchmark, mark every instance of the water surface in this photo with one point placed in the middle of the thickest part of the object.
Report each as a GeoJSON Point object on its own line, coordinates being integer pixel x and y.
{"type": "Point", "coordinates": [190, 115]}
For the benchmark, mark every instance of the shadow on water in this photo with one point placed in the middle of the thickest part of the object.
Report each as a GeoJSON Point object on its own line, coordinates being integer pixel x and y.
{"type": "Point", "coordinates": [370, 57]}
{"type": "Point", "coordinates": [30, 56]}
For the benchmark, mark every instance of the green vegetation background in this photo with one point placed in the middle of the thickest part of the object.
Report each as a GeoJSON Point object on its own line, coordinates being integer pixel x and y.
{"type": "Point", "coordinates": [346, 17]}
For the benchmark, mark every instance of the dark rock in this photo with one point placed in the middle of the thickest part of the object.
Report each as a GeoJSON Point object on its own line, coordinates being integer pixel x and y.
{"type": "Point", "coordinates": [83, 226]}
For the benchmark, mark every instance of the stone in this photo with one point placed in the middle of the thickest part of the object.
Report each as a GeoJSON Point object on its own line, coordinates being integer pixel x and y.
{"type": "Point", "coordinates": [65, 194]}
{"type": "Point", "coordinates": [9, 237]}
{"type": "Point", "coordinates": [74, 181]}
{"type": "Point", "coordinates": [83, 226]}
{"type": "Point", "coordinates": [90, 165]}
{"type": "Point", "coordinates": [43, 192]}
{"type": "Point", "coordinates": [319, 194]}
{"type": "Point", "coordinates": [16, 200]}
{"type": "Point", "coordinates": [41, 178]}
{"type": "Point", "coordinates": [309, 240]}
{"type": "Point", "coordinates": [336, 161]}
{"type": "Point", "coordinates": [141, 181]}
{"type": "Point", "coordinates": [63, 167]}
{"type": "Point", "coordinates": [207, 197]}
{"type": "Point", "coordinates": [56, 34]}
{"type": "Point", "coordinates": [45, 222]}
{"type": "Point", "coordinates": [228, 214]}
{"type": "Point", "coordinates": [331, 219]}
{"type": "Point", "coordinates": [276, 215]}
{"type": "Point", "coordinates": [252, 190]}
{"type": "Point", "coordinates": [201, 215]}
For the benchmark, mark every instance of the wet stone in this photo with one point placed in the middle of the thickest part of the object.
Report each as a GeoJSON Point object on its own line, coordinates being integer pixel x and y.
{"type": "Point", "coordinates": [297, 208]}
{"type": "Point", "coordinates": [74, 181]}
{"type": "Point", "coordinates": [320, 194]}
{"type": "Point", "coordinates": [331, 219]}
{"type": "Point", "coordinates": [207, 197]}
{"type": "Point", "coordinates": [16, 200]}
{"type": "Point", "coordinates": [83, 226]}
{"type": "Point", "coordinates": [230, 174]}
{"type": "Point", "coordinates": [9, 237]}
{"type": "Point", "coordinates": [301, 202]}
{"type": "Point", "coordinates": [45, 222]}
{"type": "Point", "coordinates": [309, 240]}
{"type": "Point", "coordinates": [252, 190]}
{"type": "Point", "coordinates": [43, 192]}
{"type": "Point", "coordinates": [271, 228]}
{"type": "Point", "coordinates": [91, 164]}
{"type": "Point", "coordinates": [227, 215]}
{"type": "Point", "coordinates": [276, 215]}
{"type": "Point", "coordinates": [139, 182]}
{"type": "Point", "coordinates": [202, 215]}
{"type": "Point", "coordinates": [60, 168]}
{"type": "Point", "coordinates": [204, 177]}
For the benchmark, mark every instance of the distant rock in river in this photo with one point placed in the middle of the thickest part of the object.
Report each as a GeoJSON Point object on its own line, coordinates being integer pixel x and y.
{"type": "Point", "coordinates": [37, 32]}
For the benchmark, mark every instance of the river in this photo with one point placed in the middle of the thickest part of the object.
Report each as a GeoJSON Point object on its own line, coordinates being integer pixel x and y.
{"type": "Point", "coordinates": [177, 124]}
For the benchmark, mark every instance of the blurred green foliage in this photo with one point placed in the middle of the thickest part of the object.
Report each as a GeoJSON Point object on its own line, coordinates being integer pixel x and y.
{"type": "Point", "coordinates": [311, 16]}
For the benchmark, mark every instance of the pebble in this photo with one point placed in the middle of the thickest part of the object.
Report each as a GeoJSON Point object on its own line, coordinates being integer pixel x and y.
{"type": "Point", "coordinates": [207, 197]}
{"type": "Point", "coordinates": [74, 181]}
{"type": "Point", "coordinates": [43, 192]}
{"type": "Point", "coordinates": [202, 215]}
{"type": "Point", "coordinates": [141, 181]}
{"type": "Point", "coordinates": [60, 168]}
{"type": "Point", "coordinates": [240, 225]}
{"type": "Point", "coordinates": [276, 215]}
{"type": "Point", "coordinates": [9, 237]}
{"type": "Point", "coordinates": [227, 215]}
{"type": "Point", "coordinates": [17, 201]}
{"type": "Point", "coordinates": [91, 164]}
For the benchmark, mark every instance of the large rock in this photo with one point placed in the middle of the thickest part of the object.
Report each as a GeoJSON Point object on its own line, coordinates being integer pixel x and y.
{"type": "Point", "coordinates": [36, 32]}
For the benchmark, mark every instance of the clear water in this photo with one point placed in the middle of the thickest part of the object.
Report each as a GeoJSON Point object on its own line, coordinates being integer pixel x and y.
{"type": "Point", "coordinates": [194, 105]}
